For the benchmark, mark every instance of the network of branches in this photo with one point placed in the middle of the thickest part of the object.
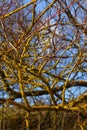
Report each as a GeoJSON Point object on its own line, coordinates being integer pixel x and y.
{"type": "Point", "coordinates": [43, 54]}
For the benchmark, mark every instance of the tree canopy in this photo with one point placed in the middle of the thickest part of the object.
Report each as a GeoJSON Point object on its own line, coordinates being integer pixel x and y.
{"type": "Point", "coordinates": [43, 54]}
